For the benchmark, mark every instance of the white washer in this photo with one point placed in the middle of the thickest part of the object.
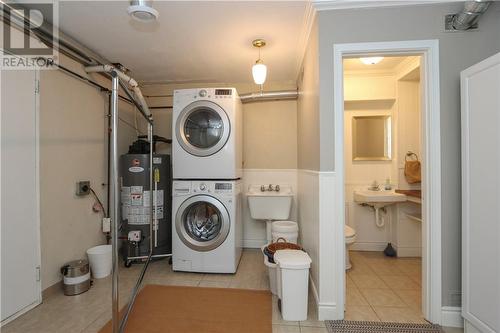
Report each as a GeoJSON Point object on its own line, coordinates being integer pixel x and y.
{"type": "Point", "coordinates": [207, 230]}
{"type": "Point", "coordinates": [207, 134]}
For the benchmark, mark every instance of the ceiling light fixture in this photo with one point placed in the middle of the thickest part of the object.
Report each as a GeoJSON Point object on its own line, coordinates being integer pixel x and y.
{"type": "Point", "coordinates": [259, 70]}
{"type": "Point", "coordinates": [371, 60]}
{"type": "Point", "coordinates": [142, 10]}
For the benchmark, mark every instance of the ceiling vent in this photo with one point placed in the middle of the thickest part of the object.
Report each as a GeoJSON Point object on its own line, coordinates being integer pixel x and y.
{"type": "Point", "coordinates": [142, 10]}
{"type": "Point", "coordinates": [469, 16]}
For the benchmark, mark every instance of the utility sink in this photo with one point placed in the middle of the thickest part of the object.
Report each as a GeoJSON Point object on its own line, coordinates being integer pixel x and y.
{"type": "Point", "coordinates": [269, 203]}
{"type": "Point", "coordinates": [378, 197]}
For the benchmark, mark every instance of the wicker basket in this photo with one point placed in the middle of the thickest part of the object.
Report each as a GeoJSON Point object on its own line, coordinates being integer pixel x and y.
{"type": "Point", "coordinates": [282, 244]}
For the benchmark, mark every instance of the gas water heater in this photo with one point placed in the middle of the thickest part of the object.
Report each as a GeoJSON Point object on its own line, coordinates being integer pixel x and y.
{"type": "Point", "coordinates": [136, 196]}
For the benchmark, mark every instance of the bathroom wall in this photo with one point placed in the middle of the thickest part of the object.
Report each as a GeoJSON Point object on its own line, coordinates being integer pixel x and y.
{"type": "Point", "coordinates": [269, 142]}
{"type": "Point", "coordinates": [367, 95]}
{"type": "Point", "coordinates": [395, 93]}
{"type": "Point", "coordinates": [457, 51]}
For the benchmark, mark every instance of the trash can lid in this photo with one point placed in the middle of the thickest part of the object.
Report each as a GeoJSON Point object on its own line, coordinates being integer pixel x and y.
{"type": "Point", "coordinates": [292, 259]}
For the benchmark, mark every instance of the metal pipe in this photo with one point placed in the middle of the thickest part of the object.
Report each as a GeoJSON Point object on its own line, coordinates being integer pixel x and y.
{"type": "Point", "coordinates": [116, 202]}
{"type": "Point", "coordinates": [269, 96]}
{"type": "Point", "coordinates": [470, 14]}
{"type": "Point", "coordinates": [139, 107]}
{"type": "Point", "coordinates": [130, 81]}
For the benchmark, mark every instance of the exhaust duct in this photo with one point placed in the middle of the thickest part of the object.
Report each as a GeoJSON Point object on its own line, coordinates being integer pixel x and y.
{"type": "Point", "coordinates": [269, 96]}
{"type": "Point", "coordinates": [468, 18]}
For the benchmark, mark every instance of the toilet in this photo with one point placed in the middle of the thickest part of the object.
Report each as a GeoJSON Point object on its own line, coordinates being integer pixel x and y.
{"type": "Point", "coordinates": [350, 237]}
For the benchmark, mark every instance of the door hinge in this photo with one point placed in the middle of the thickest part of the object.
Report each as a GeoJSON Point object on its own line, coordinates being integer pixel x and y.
{"type": "Point", "coordinates": [37, 273]}
{"type": "Point", "coordinates": [37, 86]}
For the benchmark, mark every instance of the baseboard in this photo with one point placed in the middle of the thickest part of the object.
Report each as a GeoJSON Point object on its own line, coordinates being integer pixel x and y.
{"type": "Point", "coordinates": [326, 311]}
{"type": "Point", "coordinates": [53, 289]}
{"type": "Point", "coordinates": [253, 243]}
{"type": "Point", "coordinates": [368, 246]}
{"type": "Point", "coordinates": [409, 252]}
{"type": "Point", "coordinates": [451, 316]}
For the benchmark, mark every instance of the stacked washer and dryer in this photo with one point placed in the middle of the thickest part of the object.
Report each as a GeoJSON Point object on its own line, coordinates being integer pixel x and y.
{"type": "Point", "coordinates": [207, 154]}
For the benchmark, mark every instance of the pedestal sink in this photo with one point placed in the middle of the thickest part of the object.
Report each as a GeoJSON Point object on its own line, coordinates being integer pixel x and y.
{"type": "Point", "coordinates": [378, 199]}
{"type": "Point", "coordinates": [269, 205]}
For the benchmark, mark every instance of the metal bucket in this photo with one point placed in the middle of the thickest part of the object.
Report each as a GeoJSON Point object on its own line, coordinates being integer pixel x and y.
{"type": "Point", "coordinates": [76, 277]}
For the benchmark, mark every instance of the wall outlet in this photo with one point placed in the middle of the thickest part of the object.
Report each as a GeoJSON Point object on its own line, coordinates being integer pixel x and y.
{"type": "Point", "coordinates": [83, 188]}
{"type": "Point", "coordinates": [106, 224]}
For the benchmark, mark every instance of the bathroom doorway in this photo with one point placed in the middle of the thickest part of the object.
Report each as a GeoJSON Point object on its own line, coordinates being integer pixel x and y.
{"type": "Point", "coordinates": [387, 128]}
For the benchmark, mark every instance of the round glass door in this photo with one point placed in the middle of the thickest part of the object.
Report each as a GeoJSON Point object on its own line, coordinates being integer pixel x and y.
{"type": "Point", "coordinates": [202, 223]}
{"type": "Point", "coordinates": [202, 128]}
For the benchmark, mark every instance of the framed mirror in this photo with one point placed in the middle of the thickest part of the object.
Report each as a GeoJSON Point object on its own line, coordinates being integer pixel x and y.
{"type": "Point", "coordinates": [371, 138]}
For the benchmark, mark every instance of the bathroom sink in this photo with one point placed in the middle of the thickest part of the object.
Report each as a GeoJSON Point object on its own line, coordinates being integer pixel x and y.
{"type": "Point", "coordinates": [269, 205]}
{"type": "Point", "coordinates": [378, 197]}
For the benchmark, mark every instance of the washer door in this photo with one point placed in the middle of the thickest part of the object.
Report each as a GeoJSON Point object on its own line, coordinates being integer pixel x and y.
{"type": "Point", "coordinates": [202, 223]}
{"type": "Point", "coordinates": [203, 128]}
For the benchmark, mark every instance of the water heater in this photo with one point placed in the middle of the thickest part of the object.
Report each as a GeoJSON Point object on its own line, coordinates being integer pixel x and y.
{"type": "Point", "coordinates": [136, 197]}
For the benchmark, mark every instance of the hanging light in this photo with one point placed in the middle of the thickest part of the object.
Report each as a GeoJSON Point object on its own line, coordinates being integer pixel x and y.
{"type": "Point", "coordinates": [371, 60]}
{"type": "Point", "coordinates": [259, 70]}
{"type": "Point", "coordinates": [142, 10]}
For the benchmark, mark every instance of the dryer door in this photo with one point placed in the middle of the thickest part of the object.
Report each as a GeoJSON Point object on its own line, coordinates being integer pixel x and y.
{"type": "Point", "coordinates": [202, 223]}
{"type": "Point", "coordinates": [202, 128]}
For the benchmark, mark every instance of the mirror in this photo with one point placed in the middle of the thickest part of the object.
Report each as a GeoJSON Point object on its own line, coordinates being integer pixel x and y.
{"type": "Point", "coordinates": [371, 138]}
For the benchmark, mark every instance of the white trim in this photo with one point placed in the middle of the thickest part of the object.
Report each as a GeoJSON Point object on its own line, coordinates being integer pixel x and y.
{"type": "Point", "coordinates": [431, 207]}
{"type": "Point", "coordinates": [307, 25]}
{"type": "Point", "coordinates": [321, 5]}
{"type": "Point", "coordinates": [451, 316]}
{"type": "Point", "coordinates": [368, 246]}
{"type": "Point", "coordinates": [325, 310]}
{"type": "Point", "coordinates": [253, 243]}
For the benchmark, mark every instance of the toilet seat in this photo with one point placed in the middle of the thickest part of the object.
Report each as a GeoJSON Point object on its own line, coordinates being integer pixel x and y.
{"type": "Point", "coordinates": [350, 234]}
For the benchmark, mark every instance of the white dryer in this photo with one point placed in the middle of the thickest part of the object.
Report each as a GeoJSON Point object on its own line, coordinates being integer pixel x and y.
{"type": "Point", "coordinates": [207, 134]}
{"type": "Point", "coordinates": [207, 230]}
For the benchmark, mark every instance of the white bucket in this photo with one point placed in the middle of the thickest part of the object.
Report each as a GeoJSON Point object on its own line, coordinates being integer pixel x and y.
{"type": "Point", "coordinates": [288, 230]}
{"type": "Point", "coordinates": [272, 270]}
{"type": "Point", "coordinates": [100, 261]}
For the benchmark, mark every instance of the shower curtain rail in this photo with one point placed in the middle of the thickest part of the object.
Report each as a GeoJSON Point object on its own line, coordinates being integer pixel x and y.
{"type": "Point", "coordinates": [118, 79]}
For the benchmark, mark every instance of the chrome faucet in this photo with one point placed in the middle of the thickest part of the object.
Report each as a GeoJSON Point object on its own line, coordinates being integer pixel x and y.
{"type": "Point", "coordinates": [270, 187]}
{"type": "Point", "coordinates": [277, 188]}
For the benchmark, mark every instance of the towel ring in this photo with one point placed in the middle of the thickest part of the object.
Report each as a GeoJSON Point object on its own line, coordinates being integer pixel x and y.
{"type": "Point", "coordinates": [411, 154]}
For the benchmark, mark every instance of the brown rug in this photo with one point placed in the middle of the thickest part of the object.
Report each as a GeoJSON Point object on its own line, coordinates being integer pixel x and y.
{"type": "Point", "coordinates": [202, 310]}
{"type": "Point", "coordinates": [348, 326]}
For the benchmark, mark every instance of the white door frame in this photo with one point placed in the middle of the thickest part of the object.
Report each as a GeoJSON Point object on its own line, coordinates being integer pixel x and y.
{"type": "Point", "coordinates": [431, 166]}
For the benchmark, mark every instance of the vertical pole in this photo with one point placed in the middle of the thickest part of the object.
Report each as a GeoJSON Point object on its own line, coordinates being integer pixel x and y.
{"type": "Point", "coordinates": [150, 136]}
{"type": "Point", "coordinates": [116, 202]}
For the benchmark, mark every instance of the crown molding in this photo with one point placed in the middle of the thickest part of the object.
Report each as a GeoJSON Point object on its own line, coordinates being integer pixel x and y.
{"type": "Point", "coordinates": [321, 5]}
{"type": "Point", "coordinates": [307, 24]}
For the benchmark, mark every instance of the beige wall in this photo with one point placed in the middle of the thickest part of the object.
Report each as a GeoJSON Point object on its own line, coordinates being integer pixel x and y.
{"type": "Point", "coordinates": [73, 123]}
{"type": "Point", "coordinates": [269, 128]}
{"type": "Point", "coordinates": [457, 51]}
{"type": "Point", "coordinates": [308, 106]}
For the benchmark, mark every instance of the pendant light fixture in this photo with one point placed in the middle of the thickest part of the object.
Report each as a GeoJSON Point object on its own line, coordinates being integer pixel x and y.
{"type": "Point", "coordinates": [259, 70]}
{"type": "Point", "coordinates": [142, 10]}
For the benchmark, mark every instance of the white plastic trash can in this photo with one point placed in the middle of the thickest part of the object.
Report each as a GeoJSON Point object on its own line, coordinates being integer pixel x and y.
{"type": "Point", "coordinates": [288, 230]}
{"type": "Point", "coordinates": [100, 261]}
{"type": "Point", "coordinates": [293, 283]}
{"type": "Point", "coordinates": [271, 270]}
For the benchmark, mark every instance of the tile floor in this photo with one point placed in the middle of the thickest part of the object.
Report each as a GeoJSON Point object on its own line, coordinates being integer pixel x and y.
{"type": "Point", "coordinates": [88, 312]}
{"type": "Point", "coordinates": [380, 288]}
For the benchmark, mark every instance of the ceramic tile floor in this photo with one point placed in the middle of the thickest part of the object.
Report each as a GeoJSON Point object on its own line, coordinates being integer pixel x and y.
{"type": "Point", "coordinates": [88, 312]}
{"type": "Point", "coordinates": [380, 288]}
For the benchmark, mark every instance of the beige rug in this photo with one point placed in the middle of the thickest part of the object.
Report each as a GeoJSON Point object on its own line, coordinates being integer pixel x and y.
{"type": "Point", "coordinates": [202, 310]}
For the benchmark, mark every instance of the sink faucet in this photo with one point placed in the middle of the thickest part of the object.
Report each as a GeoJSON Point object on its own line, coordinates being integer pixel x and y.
{"type": "Point", "coordinates": [374, 186]}
{"type": "Point", "coordinates": [262, 188]}
{"type": "Point", "coordinates": [270, 187]}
